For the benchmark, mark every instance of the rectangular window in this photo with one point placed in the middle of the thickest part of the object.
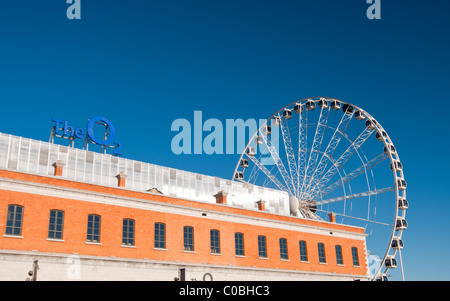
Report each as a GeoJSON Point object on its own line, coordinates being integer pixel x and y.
{"type": "Point", "coordinates": [14, 219]}
{"type": "Point", "coordinates": [160, 235]}
{"type": "Point", "coordinates": [128, 232]}
{"type": "Point", "coordinates": [339, 259]}
{"type": "Point", "coordinates": [55, 225]}
{"type": "Point", "coordinates": [215, 241]}
{"type": "Point", "coordinates": [355, 256]}
{"type": "Point", "coordinates": [93, 228]}
{"type": "Point", "coordinates": [262, 246]}
{"type": "Point", "coordinates": [303, 251]}
{"type": "Point", "coordinates": [283, 248]}
{"type": "Point", "coordinates": [321, 248]}
{"type": "Point", "coordinates": [188, 235]}
{"type": "Point", "coordinates": [239, 243]}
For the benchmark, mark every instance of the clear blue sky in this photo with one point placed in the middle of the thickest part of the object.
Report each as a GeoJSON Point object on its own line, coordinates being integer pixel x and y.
{"type": "Point", "coordinates": [144, 64]}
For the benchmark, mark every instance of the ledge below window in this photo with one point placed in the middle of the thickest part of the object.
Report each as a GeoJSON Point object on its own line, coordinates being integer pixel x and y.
{"type": "Point", "coordinates": [12, 236]}
{"type": "Point", "coordinates": [55, 239]}
{"type": "Point", "coordinates": [93, 243]}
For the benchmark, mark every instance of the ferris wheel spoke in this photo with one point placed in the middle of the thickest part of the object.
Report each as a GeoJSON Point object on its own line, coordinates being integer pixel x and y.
{"type": "Point", "coordinates": [357, 218]}
{"type": "Point", "coordinates": [302, 147]}
{"type": "Point", "coordinates": [254, 173]}
{"type": "Point", "coordinates": [276, 158]}
{"type": "Point", "coordinates": [268, 174]}
{"type": "Point", "coordinates": [356, 195]}
{"type": "Point", "coordinates": [340, 162]}
{"type": "Point", "coordinates": [317, 142]}
{"type": "Point", "coordinates": [331, 147]}
{"type": "Point", "coordinates": [360, 170]}
{"type": "Point", "coordinates": [289, 154]}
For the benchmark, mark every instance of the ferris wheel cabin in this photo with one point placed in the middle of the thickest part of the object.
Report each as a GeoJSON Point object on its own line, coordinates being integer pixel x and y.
{"type": "Point", "coordinates": [382, 277]}
{"type": "Point", "coordinates": [244, 163]}
{"type": "Point", "coordinates": [348, 109]}
{"type": "Point", "coordinates": [390, 262]}
{"type": "Point", "coordinates": [251, 151]}
{"type": "Point", "coordinates": [287, 114]}
{"type": "Point", "coordinates": [310, 105]}
{"type": "Point", "coordinates": [396, 165]}
{"type": "Point", "coordinates": [239, 175]}
{"type": "Point", "coordinates": [381, 136]}
{"type": "Point", "coordinates": [259, 140]}
{"type": "Point", "coordinates": [371, 124]}
{"type": "Point", "coordinates": [403, 204]}
{"type": "Point", "coordinates": [335, 105]}
{"type": "Point", "coordinates": [397, 243]}
{"type": "Point", "coordinates": [322, 103]}
{"type": "Point", "coordinates": [298, 108]}
{"type": "Point", "coordinates": [401, 224]}
{"type": "Point", "coordinates": [266, 130]}
{"type": "Point", "coordinates": [389, 149]}
{"type": "Point", "coordinates": [276, 121]}
{"type": "Point", "coordinates": [359, 115]}
{"type": "Point", "coordinates": [401, 184]}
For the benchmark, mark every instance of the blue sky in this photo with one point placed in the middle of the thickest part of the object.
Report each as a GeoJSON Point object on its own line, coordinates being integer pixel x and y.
{"type": "Point", "coordinates": [143, 64]}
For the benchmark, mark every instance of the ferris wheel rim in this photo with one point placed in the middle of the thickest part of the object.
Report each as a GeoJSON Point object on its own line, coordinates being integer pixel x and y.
{"type": "Point", "coordinates": [396, 232]}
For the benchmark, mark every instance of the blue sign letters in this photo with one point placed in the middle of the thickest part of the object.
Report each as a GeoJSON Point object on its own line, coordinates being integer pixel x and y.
{"type": "Point", "coordinates": [63, 130]}
{"type": "Point", "coordinates": [108, 124]}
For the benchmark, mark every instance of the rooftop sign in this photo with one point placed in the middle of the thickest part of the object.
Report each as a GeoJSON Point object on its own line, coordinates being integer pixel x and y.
{"type": "Point", "coordinates": [62, 129]}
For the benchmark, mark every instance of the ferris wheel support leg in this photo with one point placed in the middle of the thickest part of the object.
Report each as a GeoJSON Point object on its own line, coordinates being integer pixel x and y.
{"type": "Point", "coordinates": [401, 264]}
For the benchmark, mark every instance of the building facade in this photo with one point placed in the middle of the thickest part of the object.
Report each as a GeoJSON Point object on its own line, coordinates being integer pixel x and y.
{"type": "Point", "coordinates": [91, 216]}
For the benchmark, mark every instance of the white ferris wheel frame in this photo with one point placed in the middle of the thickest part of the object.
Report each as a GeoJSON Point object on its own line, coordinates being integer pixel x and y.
{"type": "Point", "coordinates": [290, 173]}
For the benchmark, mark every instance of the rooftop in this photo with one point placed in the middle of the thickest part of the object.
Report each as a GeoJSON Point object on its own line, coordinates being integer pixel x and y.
{"type": "Point", "coordinates": [37, 157]}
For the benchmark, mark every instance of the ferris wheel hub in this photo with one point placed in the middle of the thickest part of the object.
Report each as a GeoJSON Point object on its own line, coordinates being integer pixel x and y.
{"type": "Point", "coordinates": [305, 206]}
{"type": "Point", "coordinates": [293, 205]}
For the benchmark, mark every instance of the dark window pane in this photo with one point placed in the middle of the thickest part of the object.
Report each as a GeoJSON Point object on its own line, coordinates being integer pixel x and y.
{"type": "Point", "coordinates": [160, 235]}
{"type": "Point", "coordinates": [55, 225]}
{"type": "Point", "coordinates": [355, 256]}
{"type": "Point", "coordinates": [339, 259]}
{"type": "Point", "coordinates": [262, 247]}
{"type": "Point", "coordinates": [215, 241]}
{"type": "Point", "coordinates": [321, 248]}
{"type": "Point", "coordinates": [128, 232]}
{"type": "Point", "coordinates": [239, 243]}
{"type": "Point", "coordinates": [283, 248]}
{"type": "Point", "coordinates": [188, 235]}
{"type": "Point", "coordinates": [303, 251]}
{"type": "Point", "coordinates": [93, 228]}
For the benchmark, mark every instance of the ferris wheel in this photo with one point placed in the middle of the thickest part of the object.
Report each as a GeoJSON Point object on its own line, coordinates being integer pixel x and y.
{"type": "Point", "coordinates": [332, 157]}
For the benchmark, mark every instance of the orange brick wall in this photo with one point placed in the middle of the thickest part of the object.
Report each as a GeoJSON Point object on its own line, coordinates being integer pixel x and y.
{"type": "Point", "coordinates": [36, 218]}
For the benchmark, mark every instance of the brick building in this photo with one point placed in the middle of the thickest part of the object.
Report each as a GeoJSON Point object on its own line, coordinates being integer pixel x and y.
{"type": "Point", "coordinates": [92, 216]}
